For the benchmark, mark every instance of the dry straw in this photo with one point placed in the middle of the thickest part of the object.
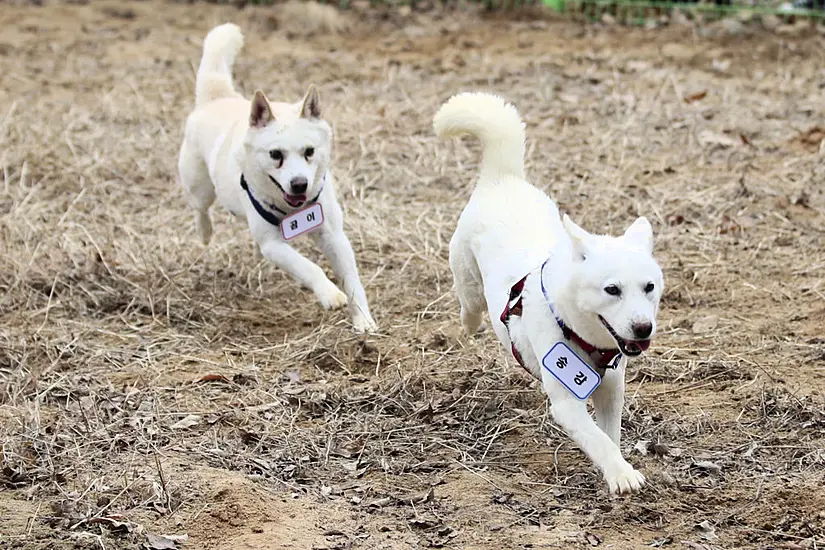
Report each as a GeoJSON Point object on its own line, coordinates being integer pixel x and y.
{"type": "Point", "coordinates": [139, 367]}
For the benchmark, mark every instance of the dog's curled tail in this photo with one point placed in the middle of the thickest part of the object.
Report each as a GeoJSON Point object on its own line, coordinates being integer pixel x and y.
{"type": "Point", "coordinates": [494, 122]}
{"type": "Point", "coordinates": [214, 80]}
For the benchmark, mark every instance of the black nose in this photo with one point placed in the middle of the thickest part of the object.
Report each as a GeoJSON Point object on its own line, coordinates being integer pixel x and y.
{"type": "Point", "coordinates": [642, 330]}
{"type": "Point", "coordinates": [298, 185]}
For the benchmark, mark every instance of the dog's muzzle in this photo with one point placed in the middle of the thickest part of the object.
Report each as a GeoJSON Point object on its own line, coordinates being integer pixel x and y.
{"type": "Point", "coordinates": [631, 348]}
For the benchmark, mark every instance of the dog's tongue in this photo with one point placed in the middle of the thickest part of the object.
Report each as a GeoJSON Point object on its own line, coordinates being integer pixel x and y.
{"type": "Point", "coordinates": [640, 345]}
{"type": "Point", "coordinates": [295, 200]}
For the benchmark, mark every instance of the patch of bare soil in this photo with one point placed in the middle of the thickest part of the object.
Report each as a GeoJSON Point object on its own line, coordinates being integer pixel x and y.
{"type": "Point", "coordinates": [151, 388]}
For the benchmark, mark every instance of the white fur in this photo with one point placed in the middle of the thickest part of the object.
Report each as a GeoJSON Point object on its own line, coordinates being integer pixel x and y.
{"type": "Point", "coordinates": [508, 229]}
{"type": "Point", "coordinates": [227, 135]}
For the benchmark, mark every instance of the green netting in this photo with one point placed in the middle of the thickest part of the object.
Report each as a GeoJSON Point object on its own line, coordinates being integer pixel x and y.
{"type": "Point", "coordinates": [641, 10]}
{"type": "Point", "coordinates": [631, 11]}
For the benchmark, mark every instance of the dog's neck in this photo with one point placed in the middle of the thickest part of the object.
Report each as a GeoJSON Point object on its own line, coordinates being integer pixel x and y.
{"type": "Point", "coordinates": [586, 325]}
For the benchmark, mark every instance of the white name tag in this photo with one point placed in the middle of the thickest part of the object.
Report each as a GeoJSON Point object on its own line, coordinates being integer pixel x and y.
{"type": "Point", "coordinates": [302, 221]}
{"type": "Point", "coordinates": [568, 368]}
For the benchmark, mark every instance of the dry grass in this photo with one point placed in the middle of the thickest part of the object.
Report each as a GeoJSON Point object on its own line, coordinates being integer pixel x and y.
{"type": "Point", "coordinates": [150, 384]}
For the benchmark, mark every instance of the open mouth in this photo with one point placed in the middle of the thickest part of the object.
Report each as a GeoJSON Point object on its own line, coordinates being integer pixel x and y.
{"type": "Point", "coordinates": [295, 200]}
{"type": "Point", "coordinates": [292, 200]}
{"type": "Point", "coordinates": [631, 348]}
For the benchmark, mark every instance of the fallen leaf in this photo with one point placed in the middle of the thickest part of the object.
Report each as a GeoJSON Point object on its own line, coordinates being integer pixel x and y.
{"type": "Point", "coordinates": [214, 378]}
{"type": "Point", "coordinates": [424, 523]}
{"type": "Point", "coordinates": [418, 498]}
{"type": "Point", "coordinates": [594, 540]}
{"type": "Point", "coordinates": [641, 446]}
{"type": "Point", "coordinates": [113, 523]}
{"type": "Point", "coordinates": [746, 140]}
{"type": "Point", "coordinates": [708, 465]}
{"type": "Point", "coordinates": [502, 498]}
{"type": "Point", "coordinates": [163, 542]}
{"type": "Point", "coordinates": [813, 136]}
{"type": "Point", "coordinates": [187, 422]}
{"type": "Point", "coordinates": [293, 376]}
{"type": "Point", "coordinates": [696, 97]}
{"type": "Point", "coordinates": [706, 530]}
{"type": "Point", "coordinates": [378, 503]}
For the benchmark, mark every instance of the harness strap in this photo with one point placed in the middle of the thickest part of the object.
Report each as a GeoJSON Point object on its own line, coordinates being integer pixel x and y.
{"type": "Point", "coordinates": [266, 214]}
{"type": "Point", "coordinates": [515, 307]}
{"type": "Point", "coordinates": [604, 358]}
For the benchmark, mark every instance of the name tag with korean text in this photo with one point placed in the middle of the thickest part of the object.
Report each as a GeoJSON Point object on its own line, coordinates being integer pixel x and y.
{"type": "Point", "coordinates": [302, 221]}
{"type": "Point", "coordinates": [569, 369]}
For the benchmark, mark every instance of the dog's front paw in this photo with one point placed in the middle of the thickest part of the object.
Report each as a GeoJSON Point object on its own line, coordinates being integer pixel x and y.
{"type": "Point", "coordinates": [624, 479]}
{"type": "Point", "coordinates": [363, 323]}
{"type": "Point", "coordinates": [332, 297]}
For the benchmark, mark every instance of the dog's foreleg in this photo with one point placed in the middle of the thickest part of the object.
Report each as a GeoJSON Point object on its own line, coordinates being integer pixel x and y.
{"type": "Point", "coordinates": [572, 415]}
{"type": "Point", "coordinates": [336, 247]}
{"type": "Point", "coordinates": [608, 402]}
{"type": "Point", "coordinates": [305, 272]}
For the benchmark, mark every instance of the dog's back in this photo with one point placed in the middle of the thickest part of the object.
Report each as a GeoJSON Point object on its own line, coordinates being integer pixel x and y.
{"type": "Point", "coordinates": [508, 226]}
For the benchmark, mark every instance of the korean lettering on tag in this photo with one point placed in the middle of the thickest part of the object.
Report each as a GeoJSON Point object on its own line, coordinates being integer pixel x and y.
{"type": "Point", "coordinates": [569, 369]}
{"type": "Point", "coordinates": [302, 221]}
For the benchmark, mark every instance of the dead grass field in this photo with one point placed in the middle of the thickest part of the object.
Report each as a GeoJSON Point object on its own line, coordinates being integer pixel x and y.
{"type": "Point", "coordinates": [151, 386]}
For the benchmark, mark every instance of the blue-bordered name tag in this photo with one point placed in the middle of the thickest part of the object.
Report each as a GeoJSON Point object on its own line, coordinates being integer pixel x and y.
{"type": "Point", "coordinates": [569, 369]}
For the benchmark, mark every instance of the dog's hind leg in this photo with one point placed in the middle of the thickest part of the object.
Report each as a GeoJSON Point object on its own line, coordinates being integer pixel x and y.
{"type": "Point", "coordinates": [193, 175]}
{"type": "Point", "coordinates": [468, 287]}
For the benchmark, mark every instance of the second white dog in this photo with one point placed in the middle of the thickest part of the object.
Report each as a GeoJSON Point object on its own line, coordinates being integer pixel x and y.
{"type": "Point", "coordinates": [268, 163]}
{"type": "Point", "coordinates": [571, 306]}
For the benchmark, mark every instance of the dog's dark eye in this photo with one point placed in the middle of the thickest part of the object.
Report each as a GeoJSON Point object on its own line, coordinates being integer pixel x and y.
{"type": "Point", "coordinates": [613, 290]}
{"type": "Point", "coordinates": [308, 152]}
{"type": "Point", "coordinates": [649, 287]}
{"type": "Point", "coordinates": [277, 156]}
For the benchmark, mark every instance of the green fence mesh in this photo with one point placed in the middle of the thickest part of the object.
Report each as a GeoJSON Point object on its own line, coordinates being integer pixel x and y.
{"type": "Point", "coordinates": [635, 11]}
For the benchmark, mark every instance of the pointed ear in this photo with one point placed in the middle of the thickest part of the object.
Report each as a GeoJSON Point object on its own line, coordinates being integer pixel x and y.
{"type": "Point", "coordinates": [261, 113]}
{"type": "Point", "coordinates": [311, 106]}
{"type": "Point", "coordinates": [640, 233]}
{"type": "Point", "coordinates": [577, 236]}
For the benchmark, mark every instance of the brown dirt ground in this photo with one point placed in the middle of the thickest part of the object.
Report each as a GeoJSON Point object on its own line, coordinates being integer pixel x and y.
{"type": "Point", "coordinates": [115, 323]}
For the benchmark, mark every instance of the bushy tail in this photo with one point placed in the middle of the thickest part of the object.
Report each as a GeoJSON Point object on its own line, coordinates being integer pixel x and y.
{"type": "Point", "coordinates": [214, 79]}
{"type": "Point", "coordinates": [494, 122]}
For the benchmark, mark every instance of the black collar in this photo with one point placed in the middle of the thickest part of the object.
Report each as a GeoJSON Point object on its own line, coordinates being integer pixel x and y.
{"type": "Point", "coordinates": [266, 214]}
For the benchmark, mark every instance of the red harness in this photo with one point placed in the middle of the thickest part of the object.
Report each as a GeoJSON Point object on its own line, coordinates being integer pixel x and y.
{"type": "Point", "coordinates": [604, 358]}
{"type": "Point", "coordinates": [514, 307]}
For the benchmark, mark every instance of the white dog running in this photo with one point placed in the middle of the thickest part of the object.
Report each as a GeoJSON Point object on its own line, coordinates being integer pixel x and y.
{"type": "Point", "coordinates": [554, 292]}
{"type": "Point", "coordinates": [270, 165]}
